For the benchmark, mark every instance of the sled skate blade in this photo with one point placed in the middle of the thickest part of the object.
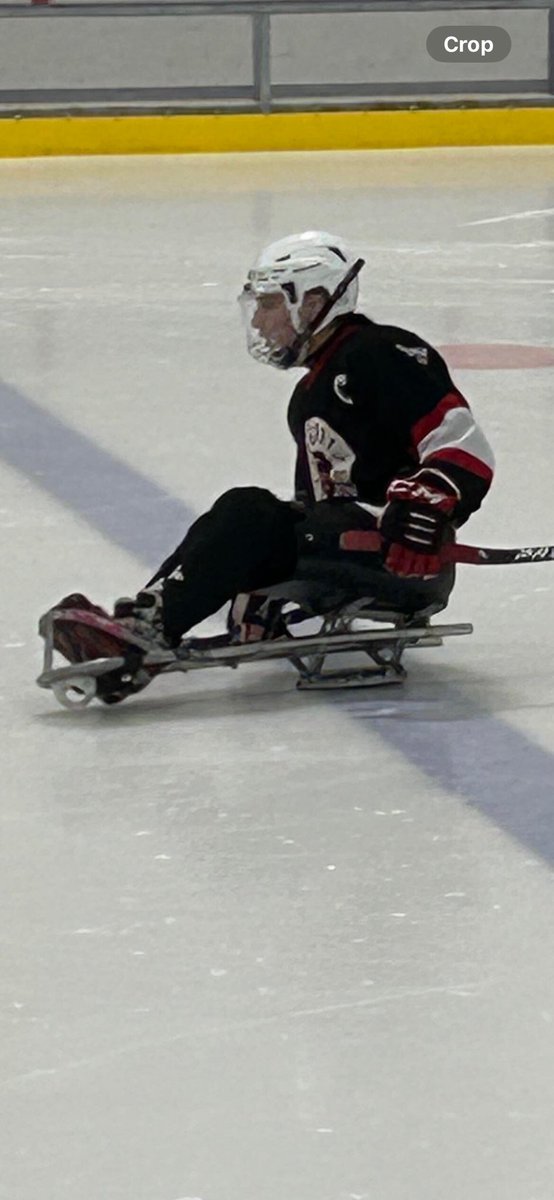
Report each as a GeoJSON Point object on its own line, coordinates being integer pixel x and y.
{"type": "Point", "coordinates": [367, 677]}
{"type": "Point", "coordinates": [385, 648]}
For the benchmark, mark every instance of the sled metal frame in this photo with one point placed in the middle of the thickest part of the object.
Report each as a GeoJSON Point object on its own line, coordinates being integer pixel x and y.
{"type": "Point", "coordinates": [74, 685]}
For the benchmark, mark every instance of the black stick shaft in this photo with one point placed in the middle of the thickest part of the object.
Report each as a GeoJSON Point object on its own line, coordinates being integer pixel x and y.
{"type": "Point", "coordinates": [369, 540]}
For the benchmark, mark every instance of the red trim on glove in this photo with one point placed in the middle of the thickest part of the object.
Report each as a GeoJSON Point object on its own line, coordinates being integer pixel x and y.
{"type": "Point", "coordinates": [430, 488]}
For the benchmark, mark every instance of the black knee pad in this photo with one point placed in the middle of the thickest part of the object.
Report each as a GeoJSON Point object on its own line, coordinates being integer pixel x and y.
{"type": "Point", "coordinates": [249, 503]}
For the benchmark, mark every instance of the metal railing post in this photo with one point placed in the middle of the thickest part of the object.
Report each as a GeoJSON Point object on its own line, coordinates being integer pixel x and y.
{"type": "Point", "coordinates": [551, 51]}
{"type": "Point", "coordinates": [261, 51]}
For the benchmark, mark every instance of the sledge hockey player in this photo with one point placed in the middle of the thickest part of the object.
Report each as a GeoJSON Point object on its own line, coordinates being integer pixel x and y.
{"type": "Point", "coordinates": [384, 440]}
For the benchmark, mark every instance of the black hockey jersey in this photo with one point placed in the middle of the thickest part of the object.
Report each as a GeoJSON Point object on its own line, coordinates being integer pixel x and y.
{"type": "Point", "coordinates": [378, 401]}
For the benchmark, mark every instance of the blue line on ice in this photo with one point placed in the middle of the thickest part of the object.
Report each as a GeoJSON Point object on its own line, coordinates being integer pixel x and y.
{"type": "Point", "coordinates": [125, 506]}
{"type": "Point", "coordinates": [493, 766]}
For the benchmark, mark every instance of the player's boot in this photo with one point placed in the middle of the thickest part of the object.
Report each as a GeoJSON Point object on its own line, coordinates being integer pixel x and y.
{"type": "Point", "coordinates": [82, 632]}
{"type": "Point", "coordinates": [75, 600]}
{"type": "Point", "coordinates": [142, 615]}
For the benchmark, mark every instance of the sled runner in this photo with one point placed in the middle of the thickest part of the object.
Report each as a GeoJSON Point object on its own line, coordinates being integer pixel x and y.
{"type": "Point", "coordinates": [106, 661]}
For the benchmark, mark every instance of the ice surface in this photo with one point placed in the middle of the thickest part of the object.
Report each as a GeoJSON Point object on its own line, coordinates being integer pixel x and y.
{"type": "Point", "coordinates": [259, 944]}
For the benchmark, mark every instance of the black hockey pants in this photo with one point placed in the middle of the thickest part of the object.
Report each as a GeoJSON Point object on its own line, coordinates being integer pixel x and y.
{"type": "Point", "coordinates": [250, 541]}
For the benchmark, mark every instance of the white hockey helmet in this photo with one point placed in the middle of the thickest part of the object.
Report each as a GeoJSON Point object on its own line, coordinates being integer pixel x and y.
{"type": "Point", "coordinates": [293, 266]}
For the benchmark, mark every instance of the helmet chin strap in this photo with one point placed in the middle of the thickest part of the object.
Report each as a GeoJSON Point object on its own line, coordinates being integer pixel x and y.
{"type": "Point", "coordinates": [291, 355]}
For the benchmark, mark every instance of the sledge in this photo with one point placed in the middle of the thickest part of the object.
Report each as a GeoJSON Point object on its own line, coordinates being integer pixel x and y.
{"type": "Point", "coordinates": [107, 662]}
{"type": "Point", "coordinates": [104, 661]}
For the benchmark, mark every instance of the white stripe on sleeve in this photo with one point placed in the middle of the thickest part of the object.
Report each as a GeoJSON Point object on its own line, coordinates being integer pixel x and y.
{"type": "Point", "coordinates": [457, 431]}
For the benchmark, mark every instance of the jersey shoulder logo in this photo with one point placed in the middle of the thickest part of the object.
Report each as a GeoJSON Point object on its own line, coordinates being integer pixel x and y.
{"type": "Point", "coordinates": [420, 353]}
{"type": "Point", "coordinates": [339, 388]}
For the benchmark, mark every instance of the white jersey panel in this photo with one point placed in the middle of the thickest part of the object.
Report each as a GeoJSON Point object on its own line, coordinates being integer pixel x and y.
{"type": "Point", "coordinates": [457, 430]}
{"type": "Point", "coordinates": [330, 460]}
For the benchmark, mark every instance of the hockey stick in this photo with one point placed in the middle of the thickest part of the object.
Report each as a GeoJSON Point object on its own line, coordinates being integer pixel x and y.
{"type": "Point", "coordinates": [368, 540]}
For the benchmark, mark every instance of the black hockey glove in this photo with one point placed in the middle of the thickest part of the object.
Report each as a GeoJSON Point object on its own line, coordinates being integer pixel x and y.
{"type": "Point", "coordinates": [416, 523]}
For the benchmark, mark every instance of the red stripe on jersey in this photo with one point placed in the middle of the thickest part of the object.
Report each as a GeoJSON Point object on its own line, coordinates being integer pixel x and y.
{"type": "Point", "coordinates": [461, 459]}
{"type": "Point", "coordinates": [434, 419]}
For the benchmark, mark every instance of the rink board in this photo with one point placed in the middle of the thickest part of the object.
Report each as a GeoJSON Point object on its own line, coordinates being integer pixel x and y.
{"type": "Point", "coordinates": [22, 136]}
